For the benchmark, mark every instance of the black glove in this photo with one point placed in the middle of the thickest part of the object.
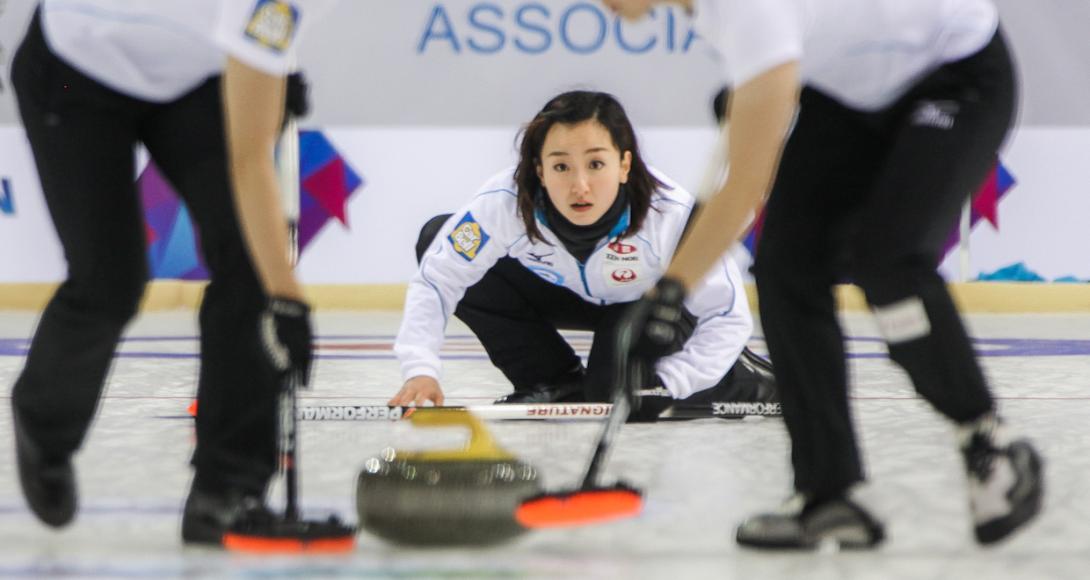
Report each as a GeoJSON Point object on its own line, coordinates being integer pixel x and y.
{"type": "Point", "coordinates": [660, 331]}
{"type": "Point", "coordinates": [297, 95]}
{"type": "Point", "coordinates": [654, 399]}
{"type": "Point", "coordinates": [651, 329]}
{"type": "Point", "coordinates": [719, 105]}
{"type": "Point", "coordinates": [286, 337]}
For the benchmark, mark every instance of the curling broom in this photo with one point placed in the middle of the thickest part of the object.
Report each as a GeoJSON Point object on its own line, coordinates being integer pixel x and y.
{"type": "Point", "coordinates": [593, 502]}
{"type": "Point", "coordinates": [265, 532]}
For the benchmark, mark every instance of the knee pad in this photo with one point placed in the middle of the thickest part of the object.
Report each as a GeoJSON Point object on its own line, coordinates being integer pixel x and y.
{"type": "Point", "coordinates": [895, 293]}
{"type": "Point", "coordinates": [428, 233]}
{"type": "Point", "coordinates": [903, 321]}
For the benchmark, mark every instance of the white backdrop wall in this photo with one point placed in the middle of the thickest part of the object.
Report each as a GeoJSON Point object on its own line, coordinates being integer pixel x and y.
{"type": "Point", "coordinates": [414, 173]}
{"type": "Point", "coordinates": [491, 63]}
{"type": "Point", "coordinates": [423, 98]}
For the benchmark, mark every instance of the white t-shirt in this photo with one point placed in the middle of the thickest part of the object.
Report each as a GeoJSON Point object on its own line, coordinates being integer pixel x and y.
{"type": "Point", "coordinates": [158, 50]}
{"type": "Point", "coordinates": [865, 53]}
{"type": "Point", "coordinates": [619, 270]}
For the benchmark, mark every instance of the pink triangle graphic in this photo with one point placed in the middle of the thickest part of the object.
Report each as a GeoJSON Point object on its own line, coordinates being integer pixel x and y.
{"type": "Point", "coordinates": [327, 186]}
{"type": "Point", "coordinates": [986, 202]}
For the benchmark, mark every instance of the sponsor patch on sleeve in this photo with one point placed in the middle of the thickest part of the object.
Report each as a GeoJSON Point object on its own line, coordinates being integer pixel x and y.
{"type": "Point", "coordinates": [468, 237]}
{"type": "Point", "coordinates": [273, 24]}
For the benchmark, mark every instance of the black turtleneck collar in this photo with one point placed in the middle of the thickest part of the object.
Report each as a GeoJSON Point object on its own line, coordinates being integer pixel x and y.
{"type": "Point", "coordinates": [580, 241]}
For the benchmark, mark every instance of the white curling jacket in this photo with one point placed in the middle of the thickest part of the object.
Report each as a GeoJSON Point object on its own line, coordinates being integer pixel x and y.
{"type": "Point", "coordinates": [159, 50]}
{"type": "Point", "coordinates": [864, 53]}
{"type": "Point", "coordinates": [619, 270]}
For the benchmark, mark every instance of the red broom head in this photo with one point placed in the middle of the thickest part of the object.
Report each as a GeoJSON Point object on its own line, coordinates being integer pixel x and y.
{"type": "Point", "coordinates": [281, 545]}
{"type": "Point", "coordinates": [580, 508]}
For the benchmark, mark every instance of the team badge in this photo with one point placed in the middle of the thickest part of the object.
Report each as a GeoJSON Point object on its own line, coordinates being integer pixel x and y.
{"type": "Point", "coordinates": [273, 24]}
{"type": "Point", "coordinates": [468, 237]}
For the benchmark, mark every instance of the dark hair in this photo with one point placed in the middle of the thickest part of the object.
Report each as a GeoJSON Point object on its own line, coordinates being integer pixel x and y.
{"type": "Point", "coordinates": [572, 108]}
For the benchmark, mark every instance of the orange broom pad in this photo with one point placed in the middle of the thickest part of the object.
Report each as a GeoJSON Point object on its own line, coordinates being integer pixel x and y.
{"type": "Point", "coordinates": [579, 508]}
{"type": "Point", "coordinates": [262, 545]}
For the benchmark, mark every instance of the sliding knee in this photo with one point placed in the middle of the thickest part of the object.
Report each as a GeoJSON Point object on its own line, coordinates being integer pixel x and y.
{"type": "Point", "coordinates": [428, 233]}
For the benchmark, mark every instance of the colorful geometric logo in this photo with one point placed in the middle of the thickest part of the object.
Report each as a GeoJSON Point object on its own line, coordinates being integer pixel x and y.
{"type": "Point", "coordinates": [327, 182]}
{"type": "Point", "coordinates": [7, 198]}
{"type": "Point", "coordinates": [172, 240]}
{"type": "Point", "coordinates": [985, 204]}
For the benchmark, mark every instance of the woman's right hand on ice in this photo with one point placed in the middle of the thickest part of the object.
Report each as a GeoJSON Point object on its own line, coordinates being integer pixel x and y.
{"type": "Point", "coordinates": [417, 391]}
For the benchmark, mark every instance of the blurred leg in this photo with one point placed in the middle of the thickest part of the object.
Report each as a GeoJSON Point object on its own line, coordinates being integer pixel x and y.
{"type": "Point", "coordinates": [82, 138]}
{"type": "Point", "coordinates": [237, 390]}
{"type": "Point", "coordinates": [823, 171]}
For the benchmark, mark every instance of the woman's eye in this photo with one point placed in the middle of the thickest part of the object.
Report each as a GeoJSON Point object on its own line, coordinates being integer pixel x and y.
{"type": "Point", "coordinates": [560, 167]}
{"type": "Point", "coordinates": [596, 164]}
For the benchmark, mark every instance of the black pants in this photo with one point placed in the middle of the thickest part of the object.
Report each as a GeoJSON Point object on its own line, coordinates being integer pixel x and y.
{"type": "Point", "coordinates": [83, 136]}
{"type": "Point", "coordinates": [517, 317]}
{"type": "Point", "coordinates": [873, 197]}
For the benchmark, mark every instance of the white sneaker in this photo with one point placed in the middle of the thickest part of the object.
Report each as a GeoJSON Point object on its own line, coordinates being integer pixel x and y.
{"type": "Point", "coordinates": [802, 525]}
{"type": "Point", "coordinates": [1005, 479]}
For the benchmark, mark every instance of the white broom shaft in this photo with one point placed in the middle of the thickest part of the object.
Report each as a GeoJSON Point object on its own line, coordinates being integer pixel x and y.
{"type": "Point", "coordinates": [287, 165]}
{"type": "Point", "coordinates": [574, 411]}
{"type": "Point", "coordinates": [542, 411]}
{"type": "Point", "coordinates": [715, 171]}
{"type": "Point", "coordinates": [965, 230]}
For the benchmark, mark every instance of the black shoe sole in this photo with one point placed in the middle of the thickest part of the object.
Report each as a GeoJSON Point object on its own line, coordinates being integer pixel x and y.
{"type": "Point", "coordinates": [55, 514]}
{"type": "Point", "coordinates": [998, 529]}
{"type": "Point", "coordinates": [56, 509]}
{"type": "Point", "coordinates": [806, 545]}
{"type": "Point", "coordinates": [861, 524]}
{"type": "Point", "coordinates": [201, 535]}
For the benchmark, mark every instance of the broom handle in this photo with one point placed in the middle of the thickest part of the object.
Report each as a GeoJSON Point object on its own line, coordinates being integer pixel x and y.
{"type": "Point", "coordinates": [623, 375]}
{"type": "Point", "coordinates": [287, 163]}
{"type": "Point", "coordinates": [288, 172]}
{"type": "Point", "coordinates": [537, 411]}
{"type": "Point", "coordinates": [612, 426]}
{"type": "Point", "coordinates": [288, 445]}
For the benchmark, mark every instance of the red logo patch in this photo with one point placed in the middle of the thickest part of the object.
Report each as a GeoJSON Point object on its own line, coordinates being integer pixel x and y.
{"type": "Point", "coordinates": [623, 275]}
{"type": "Point", "coordinates": [622, 249]}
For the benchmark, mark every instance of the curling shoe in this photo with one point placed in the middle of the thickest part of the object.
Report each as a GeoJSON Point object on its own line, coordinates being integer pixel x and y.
{"type": "Point", "coordinates": [752, 379]}
{"type": "Point", "coordinates": [569, 389]}
{"type": "Point", "coordinates": [803, 525]}
{"type": "Point", "coordinates": [49, 483]}
{"type": "Point", "coordinates": [1005, 479]}
{"type": "Point", "coordinates": [207, 515]}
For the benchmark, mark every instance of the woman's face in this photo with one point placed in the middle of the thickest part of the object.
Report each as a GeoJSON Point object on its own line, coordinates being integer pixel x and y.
{"type": "Point", "coordinates": [582, 170]}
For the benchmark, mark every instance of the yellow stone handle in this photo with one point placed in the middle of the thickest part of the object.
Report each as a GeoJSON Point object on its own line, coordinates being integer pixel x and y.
{"type": "Point", "coordinates": [480, 447]}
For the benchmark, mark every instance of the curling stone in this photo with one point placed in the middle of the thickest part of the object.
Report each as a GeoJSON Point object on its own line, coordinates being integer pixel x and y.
{"type": "Point", "coordinates": [457, 497]}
